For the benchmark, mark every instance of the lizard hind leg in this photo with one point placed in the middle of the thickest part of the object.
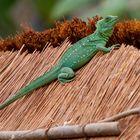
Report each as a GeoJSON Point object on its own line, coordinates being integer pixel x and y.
{"type": "Point", "coordinates": [66, 75]}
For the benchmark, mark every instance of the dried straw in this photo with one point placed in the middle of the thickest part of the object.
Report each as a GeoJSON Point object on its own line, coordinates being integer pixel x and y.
{"type": "Point", "coordinates": [109, 84]}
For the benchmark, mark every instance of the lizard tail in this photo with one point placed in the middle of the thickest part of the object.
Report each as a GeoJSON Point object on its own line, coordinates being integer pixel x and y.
{"type": "Point", "coordinates": [46, 78]}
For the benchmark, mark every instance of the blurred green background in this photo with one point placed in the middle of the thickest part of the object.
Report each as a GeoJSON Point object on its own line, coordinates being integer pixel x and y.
{"type": "Point", "coordinates": [42, 14]}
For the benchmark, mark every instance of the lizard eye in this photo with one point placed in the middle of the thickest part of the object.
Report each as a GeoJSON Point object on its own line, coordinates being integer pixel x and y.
{"type": "Point", "coordinates": [107, 18]}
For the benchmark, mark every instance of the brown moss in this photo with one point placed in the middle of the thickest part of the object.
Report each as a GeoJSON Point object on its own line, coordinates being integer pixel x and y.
{"type": "Point", "coordinates": [74, 29]}
{"type": "Point", "coordinates": [127, 32]}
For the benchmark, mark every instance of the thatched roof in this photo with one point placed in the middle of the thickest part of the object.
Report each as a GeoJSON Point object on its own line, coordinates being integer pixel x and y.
{"type": "Point", "coordinates": [107, 85]}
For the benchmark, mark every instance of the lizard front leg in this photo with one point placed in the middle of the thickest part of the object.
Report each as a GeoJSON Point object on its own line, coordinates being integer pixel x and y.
{"type": "Point", "coordinates": [66, 75]}
{"type": "Point", "coordinates": [106, 50]}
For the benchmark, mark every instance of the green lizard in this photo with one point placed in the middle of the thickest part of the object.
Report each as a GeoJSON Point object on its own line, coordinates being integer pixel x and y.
{"type": "Point", "coordinates": [74, 58]}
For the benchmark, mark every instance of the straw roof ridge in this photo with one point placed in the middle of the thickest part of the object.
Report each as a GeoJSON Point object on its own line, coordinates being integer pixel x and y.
{"type": "Point", "coordinates": [127, 31]}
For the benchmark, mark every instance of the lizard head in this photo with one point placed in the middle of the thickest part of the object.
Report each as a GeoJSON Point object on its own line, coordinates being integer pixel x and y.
{"type": "Point", "coordinates": [106, 24]}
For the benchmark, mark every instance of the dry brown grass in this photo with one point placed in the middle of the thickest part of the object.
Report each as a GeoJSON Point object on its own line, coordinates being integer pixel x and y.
{"type": "Point", "coordinates": [107, 85]}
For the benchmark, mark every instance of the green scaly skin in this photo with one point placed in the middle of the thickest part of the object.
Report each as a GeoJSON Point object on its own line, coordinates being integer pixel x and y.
{"type": "Point", "coordinates": [74, 58]}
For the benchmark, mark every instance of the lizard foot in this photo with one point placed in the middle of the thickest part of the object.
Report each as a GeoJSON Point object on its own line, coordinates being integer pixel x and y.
{"type": "Point", "coordinates": [66, 75]}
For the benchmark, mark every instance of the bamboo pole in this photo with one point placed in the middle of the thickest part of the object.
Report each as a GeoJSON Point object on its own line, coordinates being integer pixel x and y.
{"type": "Point", "coordinates": [66, 131]}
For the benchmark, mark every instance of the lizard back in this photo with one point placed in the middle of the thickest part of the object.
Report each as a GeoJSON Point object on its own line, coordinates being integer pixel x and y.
{"type": "Point", "coordinates": [79, 54]}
